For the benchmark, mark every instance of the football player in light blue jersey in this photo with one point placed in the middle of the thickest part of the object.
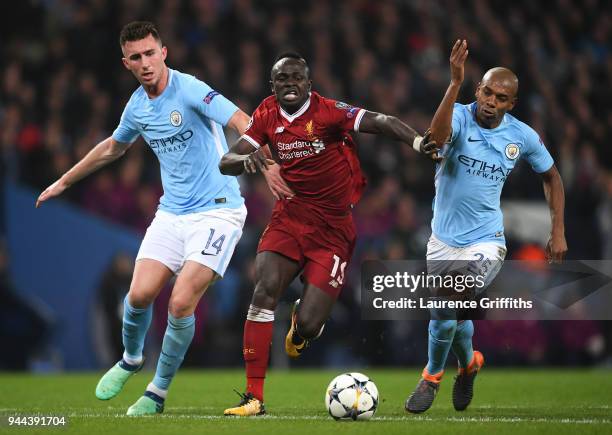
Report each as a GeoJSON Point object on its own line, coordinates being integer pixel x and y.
{"type": "Point", "coordinates": [200, 215]}
{"type": "Point", "coordinates": [482, 145]}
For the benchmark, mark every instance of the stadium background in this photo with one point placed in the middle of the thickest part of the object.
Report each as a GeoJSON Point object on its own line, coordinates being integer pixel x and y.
{"type": "Point", "coordinates": [63, 89]}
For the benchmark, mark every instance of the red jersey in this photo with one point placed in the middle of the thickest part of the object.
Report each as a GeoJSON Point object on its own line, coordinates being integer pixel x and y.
{"type": "Point", "coordinates": [315, 150]}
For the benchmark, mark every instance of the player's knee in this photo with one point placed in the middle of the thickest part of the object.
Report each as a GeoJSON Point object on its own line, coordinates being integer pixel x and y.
{"type": "Point", "coordinates": [266, 292]}
{"type": "Point", "coordinates": [465, 328]}
{"type": "Point", "coordinates": [181, 306]}
{"type": "Point", "coordinates": [138, 298]}
{"type": "Point", "coordinates": [442, 329]}
{"type": "Point", "coordinates": [308, 327]}
{"type": "Point", "coordinates": [185, 298]}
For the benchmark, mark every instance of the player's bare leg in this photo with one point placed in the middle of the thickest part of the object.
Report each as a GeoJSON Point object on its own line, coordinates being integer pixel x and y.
{"type": "Point", "coordinates": [308, 319]}
{"type": "Point", "coordinates": [189, 288]}
{"type": "Point", "coordinates": [148, 279]}
{"type": "Point", "coordinates": [273, 273]}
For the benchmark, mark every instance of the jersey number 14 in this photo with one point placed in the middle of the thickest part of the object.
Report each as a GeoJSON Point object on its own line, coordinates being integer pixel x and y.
{"type": "Point", "coordinates": [217, 244]}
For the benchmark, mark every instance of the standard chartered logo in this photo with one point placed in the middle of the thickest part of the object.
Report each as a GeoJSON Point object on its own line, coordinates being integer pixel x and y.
{"type": "Point", "coordinates": [294, 150]}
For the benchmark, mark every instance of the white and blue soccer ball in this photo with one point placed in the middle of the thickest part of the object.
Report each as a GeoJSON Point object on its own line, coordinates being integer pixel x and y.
{"type": "Point", "coordinates": [351, 396]}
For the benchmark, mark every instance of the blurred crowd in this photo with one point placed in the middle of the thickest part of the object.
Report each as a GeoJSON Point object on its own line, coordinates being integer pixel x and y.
{"type": "Point", "coordinates": [64, 87]}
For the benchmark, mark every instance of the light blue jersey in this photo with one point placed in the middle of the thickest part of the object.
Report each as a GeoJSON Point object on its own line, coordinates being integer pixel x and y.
{"type": "Point", "coordinates": [184, 128]}
{"type": "Point", "coordinates": [470, 179]}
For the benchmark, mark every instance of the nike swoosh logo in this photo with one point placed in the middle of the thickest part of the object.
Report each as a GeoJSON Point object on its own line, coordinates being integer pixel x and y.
{"type": "Point", "coordinates": [474, 140]}
{"type": "Point", "coordinates": [208, 253]}
{"type": "Point", "coordinates": [144, 126]}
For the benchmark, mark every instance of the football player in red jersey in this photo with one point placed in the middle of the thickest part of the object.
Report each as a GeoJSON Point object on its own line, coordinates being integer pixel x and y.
{"type": "Point", "coordinates": [311, 232]}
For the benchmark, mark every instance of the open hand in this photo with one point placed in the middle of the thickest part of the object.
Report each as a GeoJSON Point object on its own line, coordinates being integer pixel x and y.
{"type": "Point", "coordinates": [256, 160]}
{"type": "Point", "coordinates": [556, 248]}
{"type": "Point", "coordinates": [457, 60]}
{"type": "Point", "coordinates": [52, 191]}
{"type": "Point", "coordinates": [276, 183]}
{"type": "Point", "coordinates": [430, 148]}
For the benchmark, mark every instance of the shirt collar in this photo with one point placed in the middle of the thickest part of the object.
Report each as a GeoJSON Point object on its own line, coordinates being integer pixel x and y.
{"type": "Point", "coordinates": [297, 114]}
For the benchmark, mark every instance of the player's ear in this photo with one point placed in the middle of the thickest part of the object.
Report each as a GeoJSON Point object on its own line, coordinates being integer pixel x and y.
{"type": "Point", "coordinates": [125, 63]}
{"type": "Point", "coordinates": [513, 103]}
{"type": "Point", "coordinates": [164, 51]}
{"type": "Point", "coordinates": [271, 86]}
{"type": "Point", "coordinates": [309, 85]}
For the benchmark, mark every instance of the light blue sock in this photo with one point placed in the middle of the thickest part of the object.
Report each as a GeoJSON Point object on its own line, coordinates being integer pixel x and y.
{"type": "Point", "coordinates": [136, 323]}
{"type": "Point", "coordinates": [441, 333]}
{"type": "Point", "coordinates": [462, 343]}
{"type": "Point", "coordinates": [177, 339]}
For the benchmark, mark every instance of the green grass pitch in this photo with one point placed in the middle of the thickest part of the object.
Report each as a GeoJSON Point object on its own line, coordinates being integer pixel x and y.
{"type": "Point", "coordinates": [506, 401]}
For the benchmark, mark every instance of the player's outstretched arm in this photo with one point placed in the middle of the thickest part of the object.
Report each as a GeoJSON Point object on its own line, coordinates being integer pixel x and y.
{"type": "Point", "coordinates": [555, 196]}
{"type": "Point", "coordinates": [441, 124]}
{"type": "Point", "coordinates": [241, 157]}
{"type": "Point", "coordinates": [390, 126]}
{"type": "Point", "coordinates": [102, 154]}
{"type": "Point", "coordinates": [239, 121]}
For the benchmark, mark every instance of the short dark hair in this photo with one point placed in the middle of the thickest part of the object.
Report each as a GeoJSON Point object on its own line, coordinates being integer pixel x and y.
{"type": "Point", "coordinates": [290, 54]}
{"type": "Point", "coordinates": [293, 55]}
{"type": "Point", "coordinates": [137, 30]}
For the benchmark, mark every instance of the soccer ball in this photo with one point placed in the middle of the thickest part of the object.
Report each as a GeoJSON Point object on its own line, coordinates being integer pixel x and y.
{"type": "Point", "coordinates": [351, 396]}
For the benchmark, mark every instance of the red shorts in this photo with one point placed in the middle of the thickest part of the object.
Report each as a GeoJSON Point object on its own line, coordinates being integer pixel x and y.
{"type": "Point", "coordinates": [322, 250]}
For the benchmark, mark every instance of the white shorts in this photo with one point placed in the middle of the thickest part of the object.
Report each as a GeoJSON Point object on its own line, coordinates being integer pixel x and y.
{"type": "Point", "coordinates": [207, 237]}
{"type": "Point", "coordinates": [485, 259]}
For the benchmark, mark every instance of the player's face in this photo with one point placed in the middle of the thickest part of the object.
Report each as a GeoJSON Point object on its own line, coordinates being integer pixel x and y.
{"type": "Point", "coordinates": [493, 99]}
{"type": "Point", "coordinates": [290, 83]}
{"type": "Point", "coordinates": [145, 58]}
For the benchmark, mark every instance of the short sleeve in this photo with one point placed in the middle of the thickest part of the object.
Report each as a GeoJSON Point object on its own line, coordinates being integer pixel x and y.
{"type": "Point", "coordinates": [345, 116]}
{"type": "Point", "coordinates": [535, 152]}
{"type": "Point", "coordinates": [209, 103]}
{"type": "Point", "coordinates": [126, 131]}
{"type": "Point", "coordinates": [256, 131]}
{"type": "Point", "coordinates": [458, 121]}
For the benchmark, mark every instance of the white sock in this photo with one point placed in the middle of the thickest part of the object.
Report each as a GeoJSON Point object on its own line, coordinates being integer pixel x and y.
{"type": "Point", "coordinates": [155, 389]}
{"type": "Point", "coordinates": [256, 314]}
{"type": "Point", "coordinates": [132, 360]}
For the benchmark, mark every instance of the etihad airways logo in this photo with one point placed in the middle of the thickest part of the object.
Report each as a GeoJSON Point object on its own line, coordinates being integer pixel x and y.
{"type": "Point", "coordinates": [174, 143]}
{"type": "Point", "coordinates": [484, 169]}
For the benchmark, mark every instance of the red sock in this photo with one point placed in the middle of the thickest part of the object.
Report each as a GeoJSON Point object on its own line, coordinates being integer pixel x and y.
{"type": "Point", "coordinates": [256, 352]}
